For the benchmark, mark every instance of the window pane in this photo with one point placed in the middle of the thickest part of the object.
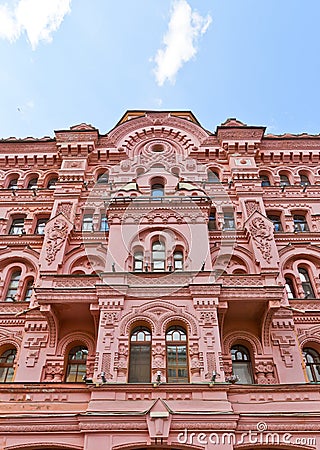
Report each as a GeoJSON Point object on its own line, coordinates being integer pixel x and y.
{"type": "Point", "coordinates": [306, 283]}
{"type": "Point", "coordinates": [87, 223]}
{"type": "Point", "coordinates": [41, 223]}
{"type": "Point", "coordinates": [13, 286]}
{"type": "Point", "coordinates": [33, 183]}
{"type": "Point", "coordinates": [76, 368]}
{"type": "Point", "coordinates": [13, 184]}
{"type": "Point", "coordinates": [29, 291]}
{"type": "Point", "coordinates": [104, 226]}
{"type": "Point", "coordinates": [300, 223]}
{"type": "Point", "coordinates": [265, 180]}
{"type": "Point", "coordinates": [52, 183]}
{"type": "Point", "coordinates": [140, 363]}
{"type": "Point", "coordinates": [103, 178]}
{"type": "Point", "coordinates": [17, 226]}
{"type": "Point", "coordinates": [304, 180]}
{"type": "Point", "coordinates": [158, 256]}
{"type": "Point", "coordinates": [312, 360]}
{"type": "Point", "coordinates": [241, 365]}
{"type": "Point", "coordinates": [6, 365]}
{"type": "Point", "coordinates": [177, 356]}
{"type": "Point", "coordinates": [157, 190]}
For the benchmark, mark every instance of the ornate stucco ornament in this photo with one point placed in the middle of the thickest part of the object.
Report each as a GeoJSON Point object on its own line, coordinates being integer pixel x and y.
{"type": "Point", "coordinates": [56, 235]}
{"type": "Point", "coordinates": [262, 235]}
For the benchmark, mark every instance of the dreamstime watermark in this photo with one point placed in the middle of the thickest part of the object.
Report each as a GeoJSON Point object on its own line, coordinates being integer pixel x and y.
{"type": "Point", "coordinates": [177, 220]}
{"type": "Point", "coordinates": [260, 436]}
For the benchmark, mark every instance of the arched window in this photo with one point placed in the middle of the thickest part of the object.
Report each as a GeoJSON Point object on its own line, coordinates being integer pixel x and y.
{"type": "Point", "coordinates": [28, 291]}
{"type": "Point", "coordinates": [33, 183]}
{"type": "Point", "coordinates": [178, 260]}
{"type": "Point", "coordinates": [276, 220]}
{"type": "Point", "coordinates": [103, 178]}
{"type": "Point", "coordinates": [77, 364]}
{"type": "Point", "coordinates": [300, 223]}
{"type": "Point", "coordinates": [158, 256]}
{"type": "Point", "coordinates": [138, 261]}
{"type": "Point", "coordinates": [140, 356]}
{"type": "Point", "coordinates": [13, 286]}
{"type": "Point", "coordinates": [213, 176]}
{"type": "Point", "coordinates": [177, 355]}
{"type": "Point", "coordinates": [157, 190]}
{"type": "Point", "coordinates": [304, 180]}
{"type": "Point", "coordinates": [17, 226]}
{"type": "Point", "coordinates": [312, 360]}
{"type": "Point", "coordinates": [52, 183]}
{"type": "Point", "coordinates": [241, 364]}
{"type": "Point", "coordinates": [265, 180]}
{"type": "Point", "coordinates": [284, 180]}
{"type": "Point", "coordinates": [6, 365]}
{"type": "Point", "coordinates": [306, 283]}
{"type": "Point", "coordinates": [290, 288]}
{"type": "Point", "coordinates": [13, 184]}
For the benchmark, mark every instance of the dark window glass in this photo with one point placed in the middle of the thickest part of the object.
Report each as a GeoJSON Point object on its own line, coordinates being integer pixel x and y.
{"type": "Point", "coordinates": [87, 222]}
{"type": "Point", "coordinates": [33, 183]}
{"type": "Point", "coordinates": [178, 260]}
{"type": "Point", "coordinates": [213, 176]}
{"type": "Point", "coordinates": [177, 357]}
{"type": "Point", "coordinates": [13, 184]}
{"type": "Point", "coordinates": [6, 365]}
{"type": "Point", "coordinates": [290, 288]}
{"type": "Point", "coordinates": [41, 223]}
{"type": "Point", "coordinates": [212, 224]}
{"type": "Point", "coordinates": [77, 364]}
{"type": "Point", "coordinates": [138, 261]}
{"type": "Point", "coordinates": [276, 222]}
{"type": "Point", "coordinates": [312, 361]}
{"type": "Point", "coordinates": [52, 183]}
{"type": "Point", "coordinates": [284, 180]}
{"type": "Point", "coordinates": [103, 178]}
{"type": "Point", "coordinates": [241, 364]}
{"type": "Point", "coordinates": [229, 223]}
{"type": "Point", "coordinates": [306, 283]}
{"type": "Point", "coordinates": [157, 190]}
{"type": "Point", "coordinates": [17, 226]}
{"type": "Point", "coordinates": [28, 291]}
{"type": "Point", "coordinates": [265, 181]}
{"type": "Point", "coordinates": [104, 226]}
{"type": "Point", "coordinates": [300, 223]}
{"type": "Point", "coordinates": [140, 356]}
{"type": "Point", "coordinates": [13, 286]}
{"type": "Point", "coordinates": [304, 180]}
{"type": "Point", "coordinates": [158, 256]}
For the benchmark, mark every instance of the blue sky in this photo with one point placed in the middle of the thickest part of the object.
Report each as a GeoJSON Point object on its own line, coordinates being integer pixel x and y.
{"type": "Point", "coordinates": [69, 61]}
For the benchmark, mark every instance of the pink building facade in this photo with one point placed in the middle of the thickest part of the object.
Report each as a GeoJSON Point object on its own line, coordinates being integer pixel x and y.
{"type": "Point", "coordinates": [160, 288]}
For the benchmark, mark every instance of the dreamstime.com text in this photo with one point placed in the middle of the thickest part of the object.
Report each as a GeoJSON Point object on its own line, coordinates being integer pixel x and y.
{"type": "Point", "coordinates": [259, 436]}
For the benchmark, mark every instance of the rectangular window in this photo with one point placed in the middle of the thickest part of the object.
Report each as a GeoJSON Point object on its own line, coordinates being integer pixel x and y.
{"type": "Point", "coordinates": [140, 364]}
{"type": "Point", "coordinates": [87, 222]}
{"type": "Point", "coordinates": [104, 226]}
{"type": "Point", "coordinates": [229, 223]}
{"type": "Point", "coordinates": [17, 226]}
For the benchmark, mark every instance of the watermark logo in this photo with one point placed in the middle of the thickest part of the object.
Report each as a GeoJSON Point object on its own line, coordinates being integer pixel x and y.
{"type": "Point", "coordinates": [261, 435]}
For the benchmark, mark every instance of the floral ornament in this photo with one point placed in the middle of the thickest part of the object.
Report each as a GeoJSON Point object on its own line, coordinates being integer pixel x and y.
{"type": "Point", "coordinates": [262, 235]}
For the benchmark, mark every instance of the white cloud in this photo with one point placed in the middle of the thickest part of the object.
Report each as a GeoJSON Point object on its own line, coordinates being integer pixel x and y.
{"type": "Point", "coordinates": [38, 18]}
{"type": "Point", "coordinates": [185, 27]}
